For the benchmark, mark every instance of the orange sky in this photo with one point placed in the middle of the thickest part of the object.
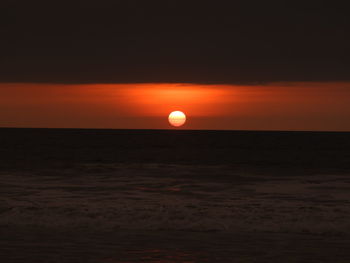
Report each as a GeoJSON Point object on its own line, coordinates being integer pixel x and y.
{"type": "Point", "coordinates": [276, 106]}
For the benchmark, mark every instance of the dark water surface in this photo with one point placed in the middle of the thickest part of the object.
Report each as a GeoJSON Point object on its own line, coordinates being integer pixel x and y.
{"type": "Point", "coordinates": [305, 150]}
{"type": "Point", "coordinates": [170, 247]}
{"type": "Point", "coordinates": [174, 196]}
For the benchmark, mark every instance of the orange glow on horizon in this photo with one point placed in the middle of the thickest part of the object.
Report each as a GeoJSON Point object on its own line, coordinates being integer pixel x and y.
{"type": "Point", "coordinates": [159, 99]}
{"type": "Point", "coordinates": [275, 106]}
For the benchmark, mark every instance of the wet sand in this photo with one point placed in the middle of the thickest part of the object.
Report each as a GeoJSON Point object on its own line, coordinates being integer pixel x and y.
{"type": "Point", "coordinates": [174, 196]}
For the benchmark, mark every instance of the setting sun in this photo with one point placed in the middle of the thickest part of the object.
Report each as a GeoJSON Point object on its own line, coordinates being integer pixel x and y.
{"type": "Point", "coordinates": [177, 118]}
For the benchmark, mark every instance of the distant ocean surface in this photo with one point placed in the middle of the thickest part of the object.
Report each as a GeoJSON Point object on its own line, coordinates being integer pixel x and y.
{"type": "Point", "coordinates": [305, 150]}
{"type": "Point", "coordinates": [70, 195]}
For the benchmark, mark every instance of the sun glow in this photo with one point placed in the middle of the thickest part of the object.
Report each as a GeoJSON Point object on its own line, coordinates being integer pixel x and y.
{"type": "Point", "coordinates": [177, 118]}
{"type": "Point", "coordinates": [157, 100]}
{"type": "Point", "coordinates": [274, 106]}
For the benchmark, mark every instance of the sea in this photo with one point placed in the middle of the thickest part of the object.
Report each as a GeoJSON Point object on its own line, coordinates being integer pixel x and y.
{"type": "Point", "coordinates": [109, 196]}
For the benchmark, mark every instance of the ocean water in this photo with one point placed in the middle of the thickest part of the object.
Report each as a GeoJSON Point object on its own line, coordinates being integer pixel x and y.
{"type": "Point", "coordinates": [174, 196]}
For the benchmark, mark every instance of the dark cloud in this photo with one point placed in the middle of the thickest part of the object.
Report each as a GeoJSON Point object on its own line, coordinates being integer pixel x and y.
{"type": "Point", "coordinates": [173, 41]}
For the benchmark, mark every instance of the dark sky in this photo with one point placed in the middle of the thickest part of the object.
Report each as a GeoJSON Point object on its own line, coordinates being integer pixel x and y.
{"type": "Point", "coordinates": [173, 41]}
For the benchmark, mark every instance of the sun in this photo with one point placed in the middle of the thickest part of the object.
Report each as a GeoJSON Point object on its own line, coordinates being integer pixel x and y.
{"type": "Point", "coordinates": [177, 118]}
